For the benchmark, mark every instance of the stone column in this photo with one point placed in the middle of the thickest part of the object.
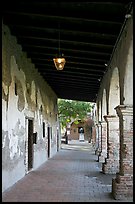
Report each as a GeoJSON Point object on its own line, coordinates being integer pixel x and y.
{"type": "Point", "coordinates": [111, 165]}
{"type": "Point", "coordinates": [122, 185]}
{"type": "Point", "coordinates": [98, 150]}
{"type": "Point", "coordinates": [103, 153]}
{"type": "Point", "coordinates": [94, 137]}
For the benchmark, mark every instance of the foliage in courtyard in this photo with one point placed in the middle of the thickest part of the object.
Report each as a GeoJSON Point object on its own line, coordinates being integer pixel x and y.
{"type": "Point", "coordinates": [71, 110]}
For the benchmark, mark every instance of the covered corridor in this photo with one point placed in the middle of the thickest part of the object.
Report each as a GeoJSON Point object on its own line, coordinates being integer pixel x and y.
{"type": "Point", "coordinates": [97, 43]}
{"type": "Point", "coordinates": [72, 175]}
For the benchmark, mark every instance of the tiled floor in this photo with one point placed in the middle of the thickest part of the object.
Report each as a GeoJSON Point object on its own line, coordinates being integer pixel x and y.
{"type": "Point", "coordinates": [72, 175]}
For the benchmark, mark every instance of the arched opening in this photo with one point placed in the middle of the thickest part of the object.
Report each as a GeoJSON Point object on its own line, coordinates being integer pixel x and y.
{"type": "Point", "coordinates": [128, 79]}
{"type": "Point", "coordinates": [103, 153]}
{"type": "Point", "coordinates": [124, 178]}
{"type": "Point", "coordinates": [104, 106]}
{"type": "Point", "coordinates": [100, 111]}
{"type": "Point", "coordinates": [114, 92]}
{"type": "Point", "coordinates": [111, 164]}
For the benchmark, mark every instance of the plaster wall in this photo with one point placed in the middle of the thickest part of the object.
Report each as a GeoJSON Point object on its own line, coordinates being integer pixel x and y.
{"type": "Point", "coordinates": [122, 59]}
{"type": "Point", "coordinates": [25, 95]}
{"type": "Point", "coordinates": [129, 78]}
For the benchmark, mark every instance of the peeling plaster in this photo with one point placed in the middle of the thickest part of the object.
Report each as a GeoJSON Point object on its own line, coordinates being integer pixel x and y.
{"type": "Point", "coordinates": [31, 96]}
{"type": "Point", "coordinates": [13, 145]}
{"type": "Point", "coordinates": [4, 96]}
{"type": "Point", "coordinates": [5, 88]}
{"type": "Point", "coordinates": [4, 115]}
{"type": "Point", "coordinates": [28, 93]}
{"type": "Point", "coordinates": [18, 77]}
{"type": "Point", "coordinates": [16, 138]}
{"type": "Point", "coordinates": [6, 73]}
{"type": "Point", "coordinates": [20, 93]}
{"type": "Point", "coordinates": [5, 149]}
{"type": "Point", "coordinates": [19, 129]}
{"type": "Point", "coordinates": [32, 92]}
{"type": "Point", "coordinates": [4, 136]}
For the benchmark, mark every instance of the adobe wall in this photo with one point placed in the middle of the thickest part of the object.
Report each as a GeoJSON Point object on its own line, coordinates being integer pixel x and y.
{"type": "Point", "coordinates": [122, 59]}
{"type": "Point", "coordinates": [25, 95]}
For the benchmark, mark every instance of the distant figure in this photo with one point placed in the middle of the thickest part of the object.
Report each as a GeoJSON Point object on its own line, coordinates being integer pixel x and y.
{"type": "Point", "coordinates": [81, 134]}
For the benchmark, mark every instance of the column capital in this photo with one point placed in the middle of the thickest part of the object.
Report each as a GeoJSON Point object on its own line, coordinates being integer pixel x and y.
{"type": "Point", "coordinates": [98, 124]}
{"type": "Point", "coordinates": [103, 122]}
{"type": "Point", "coordinates": [124, 110]}
{"type": "Point", "coordinates": [110, 118]}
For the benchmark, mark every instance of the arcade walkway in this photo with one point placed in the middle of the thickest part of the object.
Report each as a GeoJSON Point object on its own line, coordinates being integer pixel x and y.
{"type": "Point", "coordinates": [72, 175]}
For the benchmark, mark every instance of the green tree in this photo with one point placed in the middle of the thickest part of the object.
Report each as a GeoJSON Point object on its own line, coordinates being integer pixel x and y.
{"type": "Point", "coordinates": [71, 110]}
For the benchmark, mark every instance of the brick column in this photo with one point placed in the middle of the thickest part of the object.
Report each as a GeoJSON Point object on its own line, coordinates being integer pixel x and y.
{"type": "Point", "coordinates": [98, 150]}
{"type": "Point", "coordinates": [122, 185]}
{"type": "Point", "coordinates": [111, 165]}
{"type": "Point", "coordinates": [103, 153]}
{"type": "Point", "coordinates": [94, 137]}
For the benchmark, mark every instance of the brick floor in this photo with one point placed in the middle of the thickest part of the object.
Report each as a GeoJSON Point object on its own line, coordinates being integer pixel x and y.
{"type": "Point", "coordinates": [72, 175]}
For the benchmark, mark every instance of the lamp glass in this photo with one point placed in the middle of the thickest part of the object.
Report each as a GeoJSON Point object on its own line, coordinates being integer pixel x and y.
{"type": "Point", "coordinates": [59, 63]}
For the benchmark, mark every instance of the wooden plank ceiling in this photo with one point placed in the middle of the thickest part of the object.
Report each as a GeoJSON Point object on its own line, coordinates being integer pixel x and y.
{"type": "Point", "coordinates": [88, 35]}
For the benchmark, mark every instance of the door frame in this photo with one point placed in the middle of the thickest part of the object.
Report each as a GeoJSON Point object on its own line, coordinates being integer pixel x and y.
{"type": "Point", "coordinates": [27, 150]}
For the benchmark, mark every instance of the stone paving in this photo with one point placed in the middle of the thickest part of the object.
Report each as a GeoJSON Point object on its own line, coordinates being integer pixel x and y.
{"type": "Point", "coordinates": [72, 175]}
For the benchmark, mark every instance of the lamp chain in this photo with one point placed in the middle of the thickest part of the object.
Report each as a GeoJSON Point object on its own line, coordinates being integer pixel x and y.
{"type": "Point", "coordinates": [59, 39]}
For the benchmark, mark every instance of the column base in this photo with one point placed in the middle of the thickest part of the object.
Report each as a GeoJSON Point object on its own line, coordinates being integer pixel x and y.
{"type": "Point", "coordinates": [101, 158]}
{"type": "Point", "coordinates": [97, 152]}
{"type": "Point", "coordinates": [122, 187]}
{"type": "Point", "coordinates": [110, 167]}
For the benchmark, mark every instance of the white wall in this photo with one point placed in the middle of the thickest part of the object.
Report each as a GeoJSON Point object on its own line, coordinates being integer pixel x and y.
{"type": "Point", "coordinates": [32, 93]}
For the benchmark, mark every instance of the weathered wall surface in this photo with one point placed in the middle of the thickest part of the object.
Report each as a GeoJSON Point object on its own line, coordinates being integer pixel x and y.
{"type": "Point", "coordinates": [118, 85]}
{"type": "Point", "coordinates": [122, 60]}
{"type": "Point", "coordinates": [25, 95]}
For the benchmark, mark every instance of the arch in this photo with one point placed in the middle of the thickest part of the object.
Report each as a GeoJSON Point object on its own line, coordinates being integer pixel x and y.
{"type": "Point", "coordinates": [100, 111]}
{"type": "Point", "coordinates": [104, 105]}
{"type": "Point", "coordinates": [114, 92]}
{"type": "Point", "coordinates": [128, 78]}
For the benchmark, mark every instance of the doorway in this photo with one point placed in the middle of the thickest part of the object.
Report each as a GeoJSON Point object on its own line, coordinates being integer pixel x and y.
{"type": "Point", "coordinates": [81, 133]}
{"type": "Point", "coordinates": [30, 144]}
{"type": "Point", "coordinates": [48, 136]}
